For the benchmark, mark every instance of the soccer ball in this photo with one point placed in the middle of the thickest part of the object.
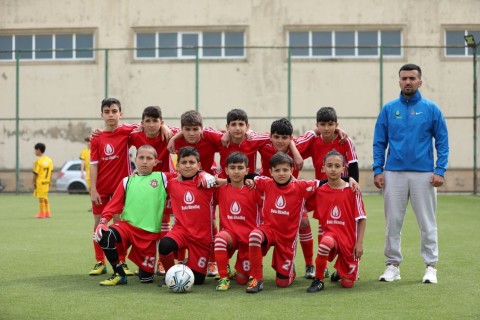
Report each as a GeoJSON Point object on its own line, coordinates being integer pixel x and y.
{"type": "Point", "coordinates": [179, 278]}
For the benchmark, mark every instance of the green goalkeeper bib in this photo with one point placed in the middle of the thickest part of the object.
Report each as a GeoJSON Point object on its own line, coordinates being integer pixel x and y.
{"type": "Point", "coordinates": [145, 198]}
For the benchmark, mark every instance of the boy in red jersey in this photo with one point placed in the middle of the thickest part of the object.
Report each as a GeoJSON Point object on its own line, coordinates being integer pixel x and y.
{"type": "Point", "coordinates": [282, 209]}
{"type": "Point", "coordinates": [343, 218]}
{"type": "Point", "coordinates": [327, 140]}
{"type": "Point", "coordinates": [150, 134]}
{"type": "Point", "coordinates": [140, 199]}
{"type": "Point", "coordinates": [109, 163]}
{"type": "Point", "coordinates": [192, 134]}
{"type": "Point", "coordinates": [193, 210]}
{"type": "Point", "coordinates": [239, 215]}
{"type": "Point", "coordinates": [237, 127]}
{"type": "Point", "coordinates": [281, 140]}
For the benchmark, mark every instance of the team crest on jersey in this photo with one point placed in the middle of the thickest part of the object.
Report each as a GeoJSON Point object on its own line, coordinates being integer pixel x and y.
{"type": "Point", "coordinates": [154, 183]}
{"type": "Point", "coordinates": [280, 203]}
{"type": "Point", "coordinates": [398, 115]}
{"type": "Point", "coordinates": [108, 149]}
{"type": "Point", "coordinates": [335, 213]}
{"type": "Point", "coordinates": [235, 208]}
{"type": "Point", "coordinates": [188, 198]}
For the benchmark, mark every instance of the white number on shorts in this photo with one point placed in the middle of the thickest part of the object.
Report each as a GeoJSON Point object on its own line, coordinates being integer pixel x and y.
{"type": "Point", "coordinates": [287, 264]}
{"type": "Point", "coordinates": [352, 268]}
{"type": "Point", "coordinates": [149, 262]}
{"type": "Point", "coordinates": [246, 265]}
{"type": "Point", "coordinates": [202, 262]}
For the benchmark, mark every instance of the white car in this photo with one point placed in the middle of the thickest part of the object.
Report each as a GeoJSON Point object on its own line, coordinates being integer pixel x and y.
{"type": "Point", "coordinates": [69, 178]}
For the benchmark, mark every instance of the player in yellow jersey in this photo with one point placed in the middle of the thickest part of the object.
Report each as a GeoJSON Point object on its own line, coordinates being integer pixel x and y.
{"type": "Point", "coordinates": [85, 166]}
{"type": "Point", "coordinates": [42, 174]}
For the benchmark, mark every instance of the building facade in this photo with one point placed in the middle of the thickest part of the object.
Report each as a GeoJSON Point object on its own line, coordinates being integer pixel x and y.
{"type": "Point", "coordinates": [59, 59]}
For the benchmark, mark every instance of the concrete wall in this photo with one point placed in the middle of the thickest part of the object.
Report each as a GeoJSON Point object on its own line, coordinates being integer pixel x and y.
{"type": "Point", "coordinates": [66, 95]}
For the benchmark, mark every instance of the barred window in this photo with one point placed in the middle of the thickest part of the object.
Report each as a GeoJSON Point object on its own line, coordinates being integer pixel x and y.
{"type": "Point", "coordinates": [344, 44]}
{"type": "Point", "coordinates": [184, 45]}
{"type": "Point", "coordinates": [455, 42]}
{"type": "Point", "coordinates": [47, 47]}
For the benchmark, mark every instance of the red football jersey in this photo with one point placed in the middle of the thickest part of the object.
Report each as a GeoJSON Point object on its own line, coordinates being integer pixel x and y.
{"type": "Point", "coordinates": [205, 147]}
{"type": "Point", "coordinates": [268, 150]}
{"type": "Point", "coordinates": [109, 151]}
{"type": "Point", "coordinates": [338, 211]}
{"type": "Point", "coordinates": [318, 150]}
{"type": "Point", "coordinates": [193, 208]}
{"type": "Point", "coordinates": [249, 147]}
{"type": "Point", "coordinates": [239, 210]}
{"type": "Point", "coordinates": [282, 206]}
{"type": "Point", "coordinates": [165, 164]}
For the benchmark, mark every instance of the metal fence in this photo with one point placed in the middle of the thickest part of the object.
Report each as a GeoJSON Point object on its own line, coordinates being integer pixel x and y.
{"type": "Point", "coordinates": [57, 102]}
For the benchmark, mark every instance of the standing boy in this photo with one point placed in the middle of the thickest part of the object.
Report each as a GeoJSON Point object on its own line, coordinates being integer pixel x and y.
{"type": "Point", "coordinates": [140, 199]}
{"type": "Point", "coordinates": [237, 127]}
{"type": "Point", "coordinates": [151, 134]}
{"type": "Point", "coordinates": [407, 127]}
{"type": "Point", "coordinates": [193, 135]}
{"type": "Point", "coordinates": [342, 215]}
{"type": "Point", "coordinates": [282, 208]}
{"type": "Point", "coordinates": [239, 215]}
{"type": "Point", "coordinates": [281, 132]}
{"type": "Point", "coordinates": [109, 164]}
{"type": "Point", "coordinates": [42, 174]}
{"type": "Point", "coordinates": [85, 164]}
{"type": "Point", "coordinates": [193, 210]}
{"type": "Point", "coordinates": [328, 139]}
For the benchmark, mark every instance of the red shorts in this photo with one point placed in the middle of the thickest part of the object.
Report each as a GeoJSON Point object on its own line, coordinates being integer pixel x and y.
{"type": "Point", "coordinates": [198, 251]}
{"type": "Point", "coordinates": [242, 265]}
{"type": "Point", "coordinates": [144, 245]}
{"type": "Point", "coordinates": [97, 209]}
{"type": "Point", "coordinates": [284, 250]}
{"type": "Point", "coordinates": [346, 265]}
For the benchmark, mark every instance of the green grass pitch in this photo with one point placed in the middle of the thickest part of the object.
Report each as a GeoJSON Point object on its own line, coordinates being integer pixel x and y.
{"type": "Point", "coordinates": [45, 264]}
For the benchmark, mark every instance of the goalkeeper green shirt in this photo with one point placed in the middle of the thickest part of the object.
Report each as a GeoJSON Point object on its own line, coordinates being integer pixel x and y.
{"type": "Point", "coordinates": [145, 198]}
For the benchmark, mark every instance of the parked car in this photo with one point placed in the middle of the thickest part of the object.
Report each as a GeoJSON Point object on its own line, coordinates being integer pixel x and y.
{"type": "Point", "coordinates": [69, 178]}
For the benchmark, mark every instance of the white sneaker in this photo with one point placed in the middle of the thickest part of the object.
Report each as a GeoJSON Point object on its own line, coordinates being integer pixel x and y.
{"type": "Point", "coordinates": [430, 275]}
{"type": "Point", "coordinates": [391, 273]}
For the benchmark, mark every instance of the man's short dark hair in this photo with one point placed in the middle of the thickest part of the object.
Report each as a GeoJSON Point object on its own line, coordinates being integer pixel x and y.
{"type": "Point", "coordinates": [410, 67]}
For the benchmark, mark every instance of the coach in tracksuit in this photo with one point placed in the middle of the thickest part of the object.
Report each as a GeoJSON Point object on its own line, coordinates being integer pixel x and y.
{"type": "Point", "coordinates": [405, 127]}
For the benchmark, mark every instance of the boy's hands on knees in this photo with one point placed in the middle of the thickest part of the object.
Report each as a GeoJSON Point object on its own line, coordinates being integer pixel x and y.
{"type": "Point", "coordinates": [358, 250]}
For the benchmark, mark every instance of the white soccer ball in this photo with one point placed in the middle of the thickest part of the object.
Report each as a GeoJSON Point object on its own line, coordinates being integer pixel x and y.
{"type": "Point", "coordinates": [179, 278]}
